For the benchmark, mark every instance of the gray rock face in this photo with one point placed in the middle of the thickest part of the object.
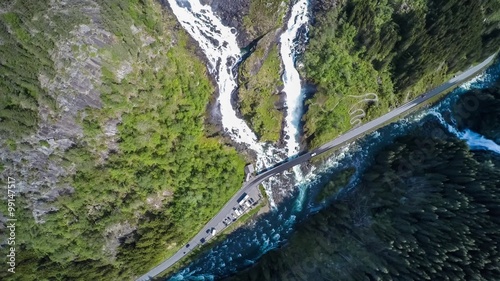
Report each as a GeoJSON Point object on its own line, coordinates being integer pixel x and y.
{"type": "Point", "coordinates": [113, 235]}
{"type": "Point", "coordinates": [323, 5]}
{"type": "Point", "coordinates": [37, 163]}
{"type": "Point", "coordinates": [231, 14]}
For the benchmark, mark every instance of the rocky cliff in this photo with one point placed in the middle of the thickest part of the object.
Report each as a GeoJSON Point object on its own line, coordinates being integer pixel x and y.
{"type": "Point", "coordinates": [102, 118]}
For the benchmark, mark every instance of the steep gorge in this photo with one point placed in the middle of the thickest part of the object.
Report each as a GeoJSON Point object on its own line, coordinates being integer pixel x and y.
{"type": "Point", "coordinates": [103, 129]}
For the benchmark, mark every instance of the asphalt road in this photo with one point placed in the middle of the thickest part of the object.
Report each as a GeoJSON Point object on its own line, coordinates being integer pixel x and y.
{"type": "Point", "coordinates": [367, 127]}
{"type": "Point", "coordinates": [343, 139]}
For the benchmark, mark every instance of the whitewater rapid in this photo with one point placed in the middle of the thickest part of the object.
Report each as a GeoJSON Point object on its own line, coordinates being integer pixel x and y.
{"type": "Point", "coordinates": [292, 86]}
{"type": "Point", "coordinates": [220, 46]}
{"type": "Point", "coordinates": [475, 140]}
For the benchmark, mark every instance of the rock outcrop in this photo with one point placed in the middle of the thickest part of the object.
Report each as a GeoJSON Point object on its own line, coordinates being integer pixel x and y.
{"type": "Point", "coordinates": [231, 14]}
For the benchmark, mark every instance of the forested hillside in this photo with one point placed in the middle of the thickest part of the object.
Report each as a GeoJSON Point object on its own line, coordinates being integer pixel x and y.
{"type": "Point", "coordinates": [260, 73]}
{"type": "Point", "coordinates": [435, 218]}
{"type": "Point", "coordinates": [367, 57]}
{"type": "Point", "coordinates": [478, 111]}
{"type": "Point", "coordinates": [102, 126]}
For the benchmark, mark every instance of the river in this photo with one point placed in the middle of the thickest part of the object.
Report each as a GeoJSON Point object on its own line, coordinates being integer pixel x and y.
{"type": "Point", "coordinates": [220, 46]}
{"type": "Point", "coordinates": [245, 246]}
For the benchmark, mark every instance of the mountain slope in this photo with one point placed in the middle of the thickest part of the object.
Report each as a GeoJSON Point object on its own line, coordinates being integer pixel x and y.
{"type": "Point", "coordinates": [368, 57]}
{"type": "Point", "coordinates": [103, 129]}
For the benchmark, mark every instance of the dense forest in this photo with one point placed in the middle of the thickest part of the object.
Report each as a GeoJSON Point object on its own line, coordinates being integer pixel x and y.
{"type": "Point", "coordinates": [427, 209]}
{"type": "Point", "coordinates": [478, 110]}
{"type": "Point", "coordinates": [393, 49]}
{"type": "Point", "coordinates": [119, 209]}
{"type": "Point", "coordinates": [107, 98]}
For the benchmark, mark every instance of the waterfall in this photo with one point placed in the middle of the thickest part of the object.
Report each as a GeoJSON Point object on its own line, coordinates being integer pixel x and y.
{"type": "Point", "coordinates": [474, 140]}
{"type": "Point", "coordinates": [219, 44]}
{"type": "Point", "coordinates": [293, 88]}
{"type": "Point", "coordinates": [479, 142]}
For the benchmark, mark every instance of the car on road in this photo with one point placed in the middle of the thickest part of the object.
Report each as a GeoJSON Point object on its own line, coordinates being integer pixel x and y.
{"type": "Point", "coordinates": [313, 154]}
{"type": "Point", "coordinates": [202, 240]}
{"type": "Point", "coordinates": [187, 246]}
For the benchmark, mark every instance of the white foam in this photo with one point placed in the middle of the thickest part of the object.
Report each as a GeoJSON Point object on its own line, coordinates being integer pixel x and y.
{"type": "Point", "coordinates": [291, 79]}
{"type": "Point", "coordinates": [479, 142]}
{"type": "Point", "coordinates": [474, 140]}
{"type": "Point", "coordinates": [219, 44]}
{"type": "Point", "coordinates": [293, 88]}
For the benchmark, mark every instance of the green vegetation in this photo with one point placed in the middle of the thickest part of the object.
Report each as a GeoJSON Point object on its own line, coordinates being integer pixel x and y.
{"type": "Point", "coordinates": [477, 110]}
{"type": "Point", "coordinates": [258, 93]}
{"type": "Point", "coordinates": [264, 16]}
{"type": "Point", "coordinates": [263, 191]}
{"type": "Point", "coordinates": [259, 76]}
{"type": "Point", "coordinates": [11, 144]}
{"type": "Point", "coordinates": [44, 143]}
{"type": "Point", "coordinates": [20, 91]}
{"type": "Point", "coordinates": [198, 252]}
{"type": "Point", "coordinates": [333, 187]}
{"type": "Point", "coordinates": [165, 180]}
{"type": "Point", "coordinates": [433, 219]}
{"type": "Point", "coordinates": [394, 49]}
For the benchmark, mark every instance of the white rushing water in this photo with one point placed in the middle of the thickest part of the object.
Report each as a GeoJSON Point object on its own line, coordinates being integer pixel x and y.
{"type": "Point", "coordinates": [218, 42]}
{"type": "Point", "coordinates": [291, 79]}
{"type": "Point", "coordinates": [220, 46]}
{"type": "Point", "coordinates": [473, 139]}
{"type": "Point", "coordinates": [479, 142]}
{"type": "Point", "coordinates": [293, 89]}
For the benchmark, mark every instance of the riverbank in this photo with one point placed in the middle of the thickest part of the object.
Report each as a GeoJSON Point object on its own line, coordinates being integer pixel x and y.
{"type": "Point", "coordinates": [384, 56]}
{"type": "Point", "coordinates": [454, 82]}
{"type": "Point", "coordinates": [246, 219]}
{"type": "Point", "coordinates": [245, 249]}
{"type": "Point", "coordinates": [402, 187]}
